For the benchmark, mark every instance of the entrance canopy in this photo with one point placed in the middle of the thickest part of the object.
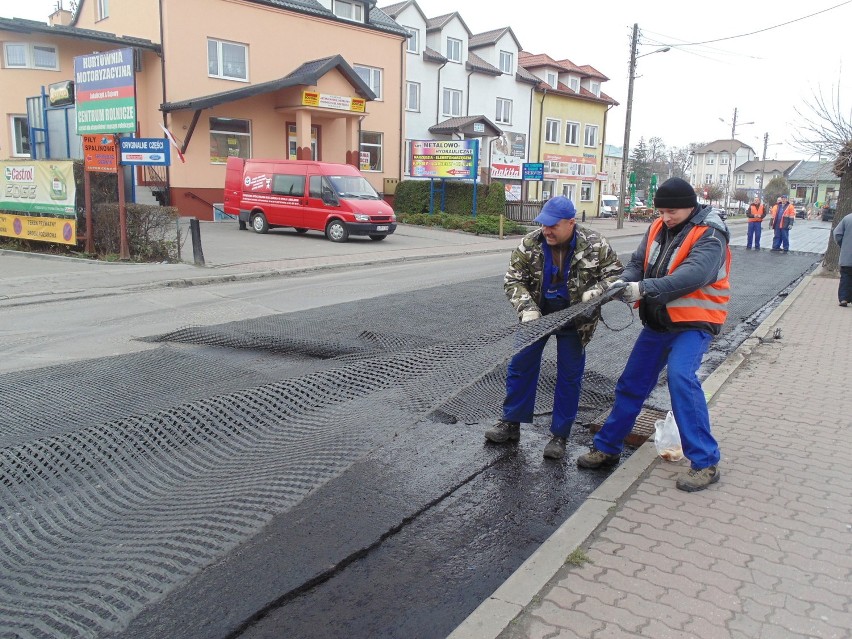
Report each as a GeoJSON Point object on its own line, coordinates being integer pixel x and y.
{"type": "Point", "coordinates": [473, 126]}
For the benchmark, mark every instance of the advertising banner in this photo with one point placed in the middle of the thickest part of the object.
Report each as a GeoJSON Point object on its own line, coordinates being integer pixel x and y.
{"type": "Point", "coordinates": [38, 186]}
{"type": "Point", "coordinates": [105, 84]}
{"type": "Point", "coordinates": [145, 151]}
{"type": "Point", "coordinates": [99, 154]}
{"type": "Point", "coordinates": [444, 158]}
{"type": "Point", "coordinates": [43, 229]}
{"type": "Point", "coordinates": [508, 155]}
{"type": "Point", "coordinates": [568, 167]}
{"type": "Point", "coordinates": [533, 171]}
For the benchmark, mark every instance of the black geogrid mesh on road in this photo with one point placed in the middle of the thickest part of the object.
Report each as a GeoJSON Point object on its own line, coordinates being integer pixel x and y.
{"type": "Point", "coordinates": [122, 477]}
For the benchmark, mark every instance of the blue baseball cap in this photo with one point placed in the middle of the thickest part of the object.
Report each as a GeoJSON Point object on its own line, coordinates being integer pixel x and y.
{"type": "Point", "coordinates": [555, 209]}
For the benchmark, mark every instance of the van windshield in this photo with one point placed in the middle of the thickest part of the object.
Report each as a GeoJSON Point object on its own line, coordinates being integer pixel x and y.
{"type": "Point", "coordinates": [353, 187]}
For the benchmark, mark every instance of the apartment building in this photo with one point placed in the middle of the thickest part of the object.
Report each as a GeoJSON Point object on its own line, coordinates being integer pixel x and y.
{"type": "Point", "coordinates": [716, 162]}
{"type": "Point", "coordinates": [304, 79]}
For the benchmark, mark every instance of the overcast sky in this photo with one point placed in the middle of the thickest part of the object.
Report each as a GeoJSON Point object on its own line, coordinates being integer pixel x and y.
{"type": "Point", "coordinates": [679, 95]}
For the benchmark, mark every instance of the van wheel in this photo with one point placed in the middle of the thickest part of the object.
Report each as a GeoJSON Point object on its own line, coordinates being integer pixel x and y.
{"type": "Point", "coordinates": [377, 238]}
{"type": "Point", "coordinates": [259, 223]}
{"type": "Point", "coordinates": [301, 230]}
{"type": "Point", "coordinates": [336, 231]}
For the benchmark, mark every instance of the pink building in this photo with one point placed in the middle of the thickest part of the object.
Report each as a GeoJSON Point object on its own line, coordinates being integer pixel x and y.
{"type": "Point", "coordinates": [302, 79]}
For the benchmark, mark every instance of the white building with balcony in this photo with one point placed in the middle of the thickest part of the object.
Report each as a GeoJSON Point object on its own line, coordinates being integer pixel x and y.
{"type": "Point", "coordinates": [716, 162]}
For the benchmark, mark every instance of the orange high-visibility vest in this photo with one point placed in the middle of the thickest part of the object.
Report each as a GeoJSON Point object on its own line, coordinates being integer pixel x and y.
{"type": "Point", "coordinates": [707, 304]}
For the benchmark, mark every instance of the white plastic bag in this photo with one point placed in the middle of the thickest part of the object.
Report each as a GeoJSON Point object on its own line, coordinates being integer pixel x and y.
{"type": "Point", "coordinates": [667, 438]}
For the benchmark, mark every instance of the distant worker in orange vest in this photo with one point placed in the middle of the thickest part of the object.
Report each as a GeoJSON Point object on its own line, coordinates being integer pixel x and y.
{"type": "Point", "coordinates": [783, 217]}
{"type": "Point", "coordinates": [679, 279]}
{"type": "Point", "coordinates": [755, 214]}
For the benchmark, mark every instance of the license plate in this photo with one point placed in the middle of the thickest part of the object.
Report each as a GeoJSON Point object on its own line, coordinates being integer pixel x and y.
{"type": "Point", "coordinates": [381, 228]}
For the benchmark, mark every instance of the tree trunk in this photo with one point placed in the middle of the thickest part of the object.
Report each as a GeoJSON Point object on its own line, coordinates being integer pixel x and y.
{"type": "Point", "coordinates": [844, 207]}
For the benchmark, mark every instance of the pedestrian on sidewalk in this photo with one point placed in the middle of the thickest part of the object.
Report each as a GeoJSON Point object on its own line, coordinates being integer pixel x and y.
{"type": "Point", "coordinates": [678, 277]}
{"type": "Point", "coordinates": [560, 264]}
{"type": "Point", "coordinates": [783, 217]}
{"type": "Point", "coordinates": [841, 231]}
{"type": "Point", "coordinates": [755, 214]}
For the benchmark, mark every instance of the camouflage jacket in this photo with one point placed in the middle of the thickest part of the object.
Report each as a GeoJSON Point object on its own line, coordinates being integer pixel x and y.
{"type": "Point", "coordinates": [594, 265]}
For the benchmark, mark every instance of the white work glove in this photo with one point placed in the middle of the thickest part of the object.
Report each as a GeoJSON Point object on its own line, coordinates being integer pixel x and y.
{"type": "Point", "coordinates": [588, 296]}
{"type": "Point", "coordinates": [632, 292]}
{"type": "Point", "coordinates": [529, 316]}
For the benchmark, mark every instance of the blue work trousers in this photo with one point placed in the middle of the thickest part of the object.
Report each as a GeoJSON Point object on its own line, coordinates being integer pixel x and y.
{"type": "Point", "coordinates": [682, 352]}
{"type": "Point", "coordinates": [781, 240]}
{"type": "Point", "coordinates": [522, 382]}
{"type": "Point", "coordinates": [753, 235]}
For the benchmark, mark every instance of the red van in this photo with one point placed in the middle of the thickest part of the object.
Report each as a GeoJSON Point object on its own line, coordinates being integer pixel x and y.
{"type": "Point", "coordinates": [333, 198]}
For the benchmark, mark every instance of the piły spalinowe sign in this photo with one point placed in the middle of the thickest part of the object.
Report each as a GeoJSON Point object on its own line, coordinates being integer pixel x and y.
{"type": "Point", "coordinates": [99, 153]}
{"type": "Point", "coordinates": [31, 190]}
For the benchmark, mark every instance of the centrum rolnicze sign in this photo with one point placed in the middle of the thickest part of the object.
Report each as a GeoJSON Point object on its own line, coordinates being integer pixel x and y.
{"type": "Point", "coordinates": [106, 92]}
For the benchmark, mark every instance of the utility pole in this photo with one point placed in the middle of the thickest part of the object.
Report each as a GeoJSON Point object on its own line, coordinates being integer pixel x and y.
{"type": "Point", "coordinates": [731, 162]}
{"type": "Point", "coordinates": [763, 165]}
{"type": "Point", "coordinates": [625, 154]}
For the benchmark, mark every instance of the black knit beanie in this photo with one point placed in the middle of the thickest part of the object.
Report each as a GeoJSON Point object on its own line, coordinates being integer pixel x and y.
{"type": "Point", "coordinates": [675, 193]}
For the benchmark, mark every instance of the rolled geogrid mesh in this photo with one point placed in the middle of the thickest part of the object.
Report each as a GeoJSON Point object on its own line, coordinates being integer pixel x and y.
{"type": "Point", "coordinates": [154, 465]}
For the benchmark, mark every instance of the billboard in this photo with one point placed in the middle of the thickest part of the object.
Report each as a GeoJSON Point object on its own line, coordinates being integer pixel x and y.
{"type": "Point", "coordinates": [444, 158]}
{"type": "Point", "coordinates": [30, 189]}
{"type": "Point", "coordinates": [105, 85]}
{"type": "Point", "coordinates": [508, 155]}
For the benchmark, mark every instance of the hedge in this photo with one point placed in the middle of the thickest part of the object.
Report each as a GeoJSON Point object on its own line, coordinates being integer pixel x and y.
{"type": "Point", "coordinates": [412, 196]}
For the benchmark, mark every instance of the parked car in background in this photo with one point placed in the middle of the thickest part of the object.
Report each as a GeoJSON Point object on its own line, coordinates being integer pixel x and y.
{"type": "Point", "coordinates": [609, 206]}
{"type": "Point", "coordinates": [802, 212]}
{"type": "Point", "coordinates": [827, 214]}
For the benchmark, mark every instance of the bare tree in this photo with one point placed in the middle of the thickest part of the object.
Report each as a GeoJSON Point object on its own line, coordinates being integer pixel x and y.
{"type": "Point", "coordinates": [827, 129]}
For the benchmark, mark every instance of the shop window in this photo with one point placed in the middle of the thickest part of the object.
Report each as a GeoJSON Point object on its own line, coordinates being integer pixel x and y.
{"type": "Point", "coordinates": [292, 146]}
{"type": "Point", "coordinates": [25, 55]}
{"type": "Point", "coordinates": [20, 136]}
{"type": "Point", "coordinates": [227, 60]}
{"type": "Point", "coordinates": [372, 77]}
{"type": "Point", "coordinates": [586, 192]}
{"type": "Point", "coordinates": [371, 143]}
{"type": "Point", "coordinates": [229, 138]}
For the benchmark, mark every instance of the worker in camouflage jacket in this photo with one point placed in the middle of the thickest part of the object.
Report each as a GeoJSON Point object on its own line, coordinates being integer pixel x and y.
{"type": "Point", "coordinates": [554, 267]}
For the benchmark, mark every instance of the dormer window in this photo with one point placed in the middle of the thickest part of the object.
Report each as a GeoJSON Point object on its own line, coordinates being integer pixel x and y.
{"type": "Point", "coordinates": [595, 87]}
{"type": "Point", "coordinates": [507, 61]}
{"type": "Point", "coordinates": [574, 83]}
{"type": "Point", "coordinates": [348, 10]}
{"type": "Point", "coordinates": [454, 50]}
{"type": "Point", "coordinates": [552, 78]}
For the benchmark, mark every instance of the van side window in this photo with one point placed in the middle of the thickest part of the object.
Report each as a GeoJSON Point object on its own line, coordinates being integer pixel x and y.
{"type": "Point", "coordinates": [288, 185]}
{"type": "Point", "coordinates": [316, 186]}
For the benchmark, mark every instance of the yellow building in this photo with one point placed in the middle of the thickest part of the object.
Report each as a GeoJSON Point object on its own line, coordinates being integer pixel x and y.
{"type": "Point", "coordinates": [569, 117]}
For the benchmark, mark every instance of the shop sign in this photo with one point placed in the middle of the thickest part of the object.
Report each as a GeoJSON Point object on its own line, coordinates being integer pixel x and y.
{"type": "Point", "coordinates": [444, 158]}
{"type": "Point", "coordinates": [338, 102]}
{"type": "Point", "coordinates": [106, 92]}
{"type": "Point", "coordinates": [145, 151]}
{"type": "Point", "coordinates": [60, 93]}
{"type": "Point", "coordinates": [99, 154]}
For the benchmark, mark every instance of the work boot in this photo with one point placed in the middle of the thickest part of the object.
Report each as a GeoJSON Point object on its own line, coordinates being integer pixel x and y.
{"type": "Point", "coordinates": [844, 303]}
{"type": "Point", "coordinates": [555, 448]}
{"type": "Point", "coordinates": [694, 480]}
{"type": "Point", "coordinates": [503, 431]}
{"type": "Point", "coordinates": [597, 459]}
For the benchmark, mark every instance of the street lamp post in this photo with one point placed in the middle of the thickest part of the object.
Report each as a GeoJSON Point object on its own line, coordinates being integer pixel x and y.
{"type": "Point", "coordinates": [625, 154]}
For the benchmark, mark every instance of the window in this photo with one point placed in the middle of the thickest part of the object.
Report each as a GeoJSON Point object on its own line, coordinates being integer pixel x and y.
{"type": "Point", "coordinates": [372, 76]}
{"type": "Point", "coordinates": [740, 179]}
{"type": "Point", "coordinates": [102, 9]}
{"type": "Point", "coordinates": [229, 138]}
{"type": "Point", "coordinates": [292, 147]}
{"type": "Point", "coordinates": [288, 185]}
{"type": "Point", "coordinates": [586, 192]}
{"type": "Point", "coordinates": [452, 99]}
{"type": "Point", "coordinates": [711, 159]}
{"type": "Point", "coordinates": [595, 87]}
{"type": "Point", "coordinates": [371, 143]}
{"type": "Point", "coordinates": [24, 55]}
{"type": "Point", "coordinates": [574, 83]}
{"type": "Point", "coordinates": [412, 96]}
{"type": "Point", "coordinates": [507, 61]}
{"type": "Point", "coordinates": [723, 159]}
{"type": "Point", "coordinates": [572, 133]}
{"type": "Point", "coordinates": [591, 138]}
{"type": "Point", "coordinates": [551, 131]}
{"type": "Point", "coordinates": [20, 136]}
{"type": "Point", "coordinates": [227, 60]}
{"type": "Point", "coordinates": [568, 190]}
{"type": "Point", "coordinates": [552, 79]}
{"type": "Point", "coordinates": [349, 10]}
{"type": "Point", "coordinates": [504, 111]}
{"type": "Point", "coordinates": [454, 50]}
{"type": "Point", "coordinates": [412, 45]}
{"type": "Point", "coordinates": [708, 179]}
